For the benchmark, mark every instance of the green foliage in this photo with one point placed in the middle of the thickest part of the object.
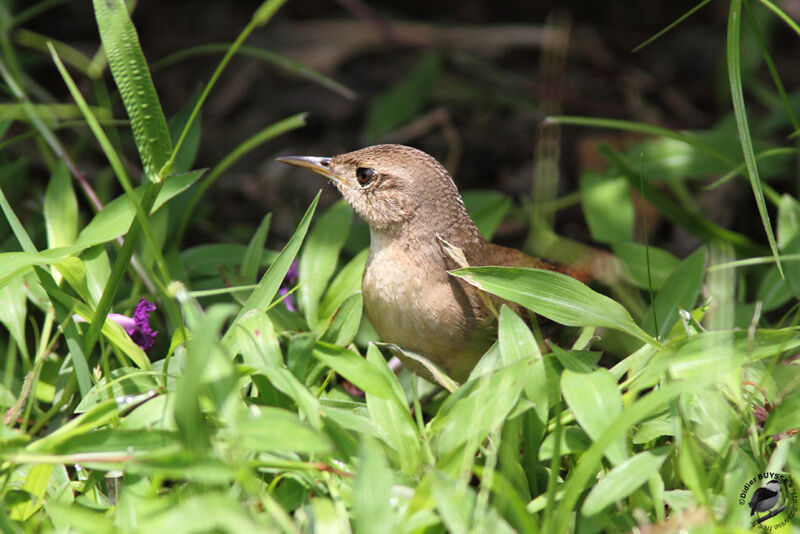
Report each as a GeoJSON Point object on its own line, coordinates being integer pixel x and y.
{"type": "Point", "coordinates": [243, 416]}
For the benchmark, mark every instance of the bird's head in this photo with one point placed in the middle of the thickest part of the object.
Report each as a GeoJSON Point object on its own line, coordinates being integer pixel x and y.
{"type": "Point", "coordinates": [390, 186]}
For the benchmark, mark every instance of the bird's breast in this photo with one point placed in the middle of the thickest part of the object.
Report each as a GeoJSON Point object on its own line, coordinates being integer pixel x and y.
{"type": "Point", "coordinates": [413, 302]}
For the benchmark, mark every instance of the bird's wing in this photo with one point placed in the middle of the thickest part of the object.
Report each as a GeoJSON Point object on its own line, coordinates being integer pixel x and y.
{"type": "Point", "coordinates": [491, 254]}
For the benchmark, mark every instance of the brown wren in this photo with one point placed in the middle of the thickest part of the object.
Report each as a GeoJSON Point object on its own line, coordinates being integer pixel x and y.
{"type": "Point", "coordinates": [413, 208]}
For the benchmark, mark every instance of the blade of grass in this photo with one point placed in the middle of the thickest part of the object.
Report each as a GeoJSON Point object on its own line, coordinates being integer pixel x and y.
{"type": "Point", "coordinates": [582, 474]}
{"type": "Point", "coordinates": [262, 15]}
{"type": "Point", "coordinates": [129, 68]}
{"type": "Point", "coordinates": [773, 71]}
{"type": "Point", "coordinates": [252, 258]}
{"type": "Point", "coordinates": [141, 209]}
{"type": "Point", "coordinates": [264, 55]}
{"type": "Point", "coordinates": [671, 25]}
{"type": "Point", "coordinates": [262, 296]}
{"type": "Point", "coordinates": [735, 80]}
{"type": "Point", "coordinates": [273, 130]}
{"type": "Point", "coordinates": [736, 171]}
{"type": "Point", "coordinates": [782, 15]}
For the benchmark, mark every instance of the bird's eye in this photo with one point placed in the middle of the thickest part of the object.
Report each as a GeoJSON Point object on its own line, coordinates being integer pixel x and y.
{"type": "Point", "coordinates": [365, 175]}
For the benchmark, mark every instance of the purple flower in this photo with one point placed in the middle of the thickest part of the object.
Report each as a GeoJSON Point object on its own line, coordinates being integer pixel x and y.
{"type": "Point", "coordinates": [137, 327]}
{"type": "Point", "coordinates": [288, 281]}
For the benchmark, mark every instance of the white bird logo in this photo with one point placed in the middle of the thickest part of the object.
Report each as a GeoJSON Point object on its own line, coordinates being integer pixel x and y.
{"type": "Point", "coordinates": [764, 499]}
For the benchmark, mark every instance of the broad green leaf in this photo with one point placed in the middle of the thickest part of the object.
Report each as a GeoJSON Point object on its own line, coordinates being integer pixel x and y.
{"type": "Point", "coordinates": [82, 519]}
{"type": "Point", "coordinates": [478, 407]}
{"type": "Point", "coordinates": [584, 471]}
{"type": "Point", "coordinates": [624, 479]}
{"type": "Point", "coordinates": [354, 368]}
{"type": "Point", "coordinates": [393, 415]}
{"type": "Point", "coordinates": [487, 209]}
{"type": "Point", "coordinates": [264, 428]}
{"type": "Point", "coordinates": [607, 206]}
{"type": "Point", "coordinates": [714, 354]}
{"type": "Point", "coordinates": [785, 416]}
{"type": "Point", "coordinates": [132, 76]}
{"type": "Point", "coordinates": [60, 209]}
{"type": "Point", "coordinates": [115, 440]}
{"type": "Point", "coordinates": [344, 284]}
{"type": "Point", "coordinates": [789, 239]}
{"type": "Point", "coordinates": [74, 272]}
{"type": "Point", "coordinates": [345, 323]}
{"type": "Point", "coordinates": [634, 256]}
{"type": "Point", "coordinates": [679, 291]}
{"type": "Point", "coordinates": [573, 440]}
{"type": "Point", "coordinates": [328, 518]}
{"type": "Point", "coordinates": [372, 509]}
{"type": "Point", "coordinates": [13, 311]}
{"type": "Point", "coordinates": [256, 341]}
{"type": "Point", "coordinates": [554, 295]}
{"type": "Point", "coordinates": [455, 502]}
{"type": "Point", "coordinates": [596, 402]}
{"type": "Point", "coordinates": [691, 469]}
{"type": "Point", "coordinates": [255, 250]}
{"type": "Point", "coordinates": [319, 258]}
{"type": "Point", "coordinates": [201, 351]}
{"type": "Point", "coordinates": [35, 485]}
{"type": "Point", "coordinates": [204, 512]}
{"type": "Point", "coordinates": [116, 217]}
{"type": "Point", "coordinates": [98, 268]}
{"type": "Point", "coordinates": [13, 264]}
{"type": "Point", "coordinates": [285, 382]}
{"type": "Point", "coordinates": [517, 343]}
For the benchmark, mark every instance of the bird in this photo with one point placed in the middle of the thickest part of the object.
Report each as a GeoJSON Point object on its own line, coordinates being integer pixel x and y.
{"type": "Point", "coordinates": [415, 215]}
{"type": "Point", "coordinates": [765, 498]}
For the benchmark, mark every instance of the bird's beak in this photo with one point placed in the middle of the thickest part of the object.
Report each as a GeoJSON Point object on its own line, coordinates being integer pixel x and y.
{"type": "Point", "coordinates": [312, 163]}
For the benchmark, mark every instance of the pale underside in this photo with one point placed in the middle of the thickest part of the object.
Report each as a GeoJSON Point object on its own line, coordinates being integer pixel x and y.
{"type": "Point", "coordinates": [412, 301]}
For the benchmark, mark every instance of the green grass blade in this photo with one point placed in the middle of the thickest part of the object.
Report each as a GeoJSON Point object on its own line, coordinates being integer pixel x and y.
{"type": "Point", "coordinates": [556, 296]}
{"type": "Point", "coordinates": [262, 296]}
{"type": "Point", "coordinates": [60, 209]}
{"type": "Point", "coordinates": [16, 226]}
{"type": "Point", "coordinates": [132, 76]}
{"type": "Point", "coordinates": [261, 54]}
{"type": "Point", "coordinates": [252, 258]}
{"type": "Point", "coordinates": [273, 130]}
{"type": "Point", "coordinates": [596, 402]}
{"type": "Point", "coordinates": [320, 257]}
{"type": "Point", "coordinates": [262, 15]}
{"type": "Point", "coordinates": [735, 80]}
{"type": "Point", "coordinates": [671, 25]}
{"type": "Point", "coordinates": [584, 471]}
{"type": "Point", "coordinates": [624, 479]}
{"type": "Point", "coordinates": [782, 15]}
{"type": "Point", "coordinates": [773, 70]}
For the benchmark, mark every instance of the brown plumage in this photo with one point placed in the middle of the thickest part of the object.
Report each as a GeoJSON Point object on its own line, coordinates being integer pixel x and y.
{"type": "Point", "coordinates": [412, 206]}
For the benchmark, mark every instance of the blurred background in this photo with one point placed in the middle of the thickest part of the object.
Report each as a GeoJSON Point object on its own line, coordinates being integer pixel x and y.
{"type": "Point", "coordinates": [468, 81]}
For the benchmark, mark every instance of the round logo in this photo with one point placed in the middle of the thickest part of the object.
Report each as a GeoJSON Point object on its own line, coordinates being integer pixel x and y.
{"type": "Point", "coordinates": [771, 499]}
